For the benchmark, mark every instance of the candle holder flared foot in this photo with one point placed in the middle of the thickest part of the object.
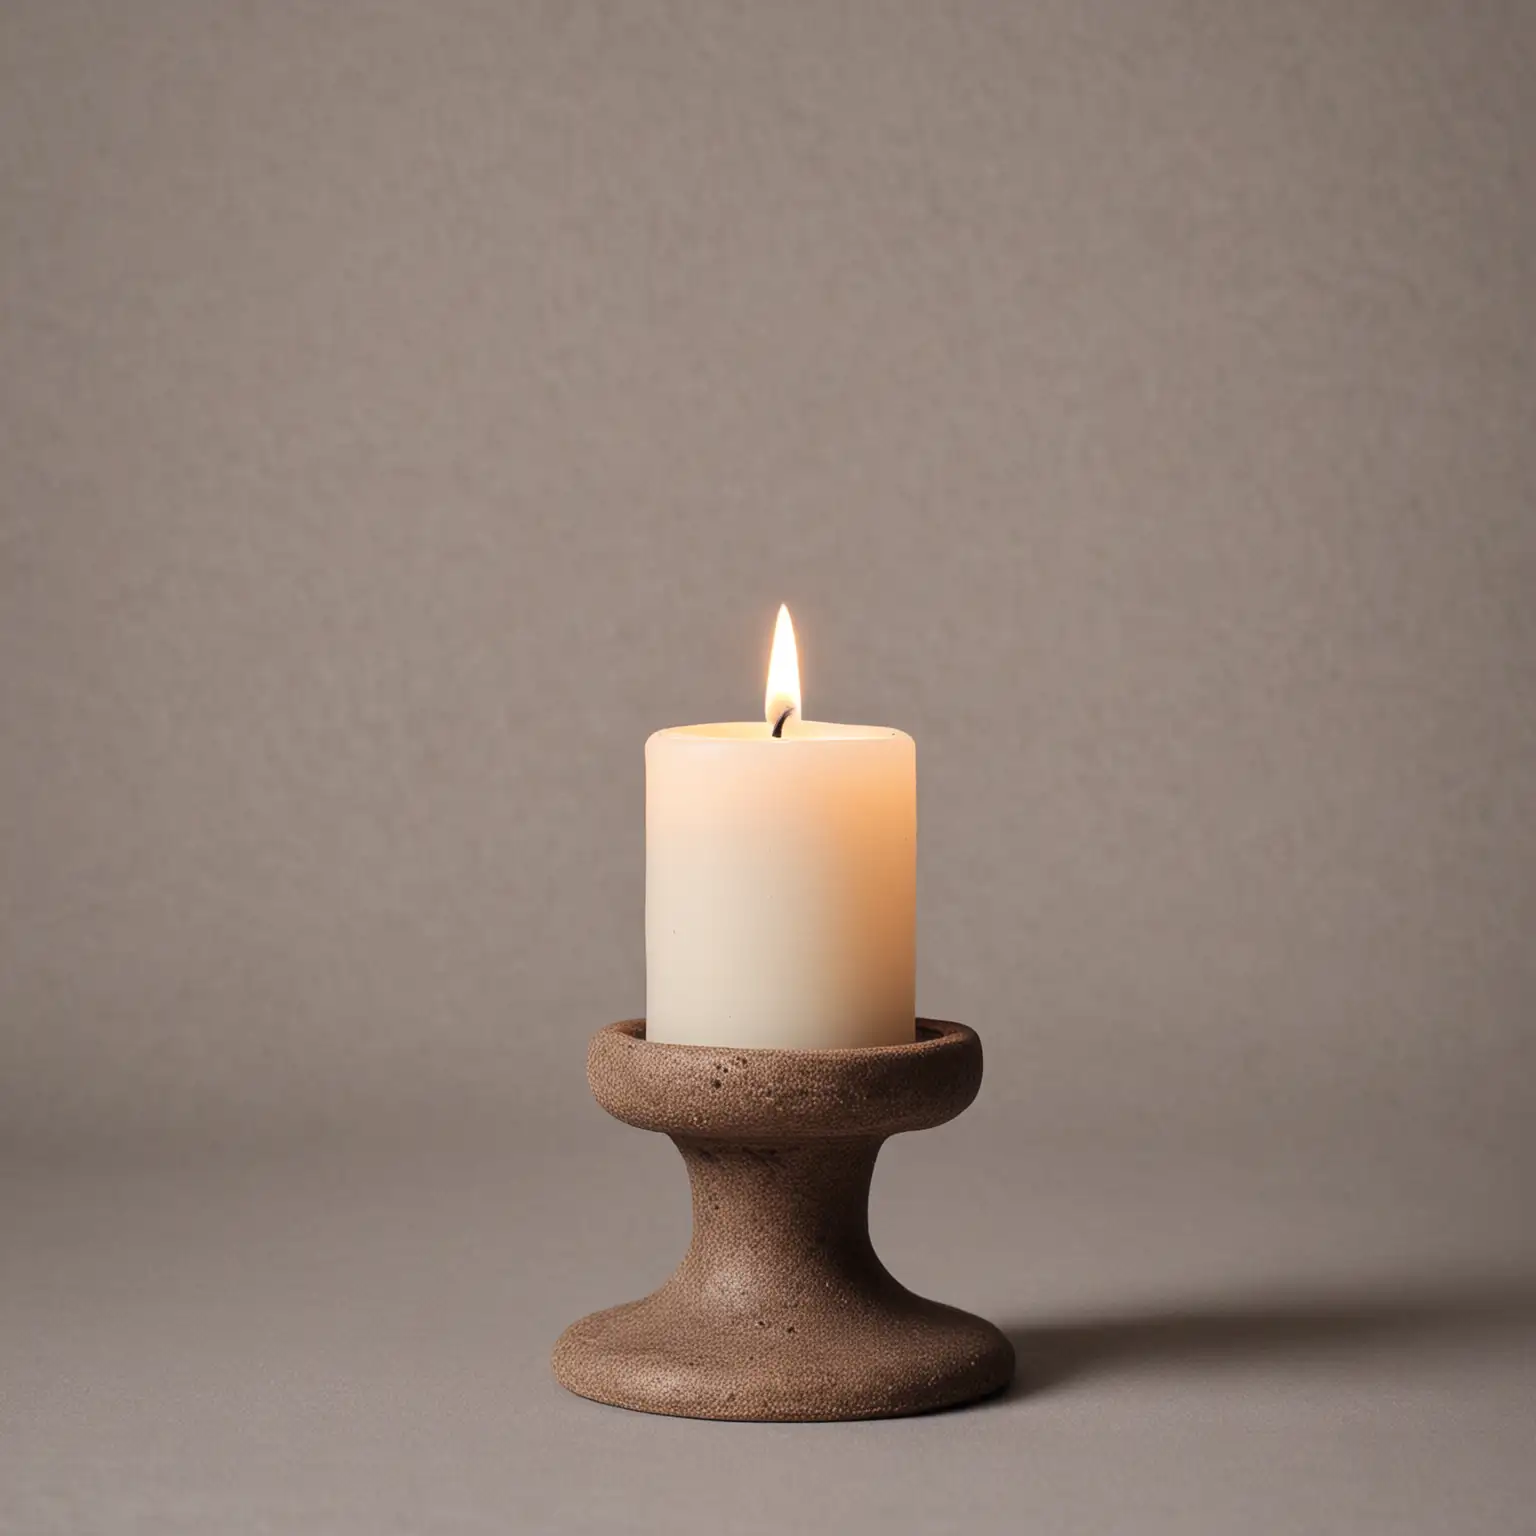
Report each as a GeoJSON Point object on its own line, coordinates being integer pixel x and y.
{"type": "Point", "coordinates": [781, 1309]}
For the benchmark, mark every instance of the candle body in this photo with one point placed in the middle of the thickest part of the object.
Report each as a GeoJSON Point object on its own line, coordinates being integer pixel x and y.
{"type": "Point", "coordinates": [780, 892]}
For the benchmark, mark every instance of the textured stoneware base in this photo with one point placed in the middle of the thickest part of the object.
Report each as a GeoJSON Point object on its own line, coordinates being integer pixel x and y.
{"type": "Point", "coordinates": [781, 1309]}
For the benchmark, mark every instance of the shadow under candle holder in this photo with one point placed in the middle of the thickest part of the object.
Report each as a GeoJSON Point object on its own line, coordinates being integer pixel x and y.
{"type": "Point", "coordinates": [1388, 1319]}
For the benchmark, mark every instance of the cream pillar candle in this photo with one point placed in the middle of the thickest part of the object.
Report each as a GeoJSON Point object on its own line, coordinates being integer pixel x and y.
{"type": "Point", "coordinates": [780, 876]}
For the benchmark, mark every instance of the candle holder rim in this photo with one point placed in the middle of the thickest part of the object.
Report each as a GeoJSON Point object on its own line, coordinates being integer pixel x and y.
{"type": "Point", "coordinates": [769, 1094]}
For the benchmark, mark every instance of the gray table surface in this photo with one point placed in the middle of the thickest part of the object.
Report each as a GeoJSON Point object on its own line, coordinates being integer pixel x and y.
{"type": "Point", "coordinates": [351, 1338]}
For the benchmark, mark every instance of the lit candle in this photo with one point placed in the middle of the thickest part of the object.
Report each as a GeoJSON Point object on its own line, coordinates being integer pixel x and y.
{"type": "Point", "coordinates": [780, 877]}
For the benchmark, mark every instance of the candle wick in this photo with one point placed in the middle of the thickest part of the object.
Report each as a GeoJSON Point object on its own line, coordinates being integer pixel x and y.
{"type": "Point", "coordinates": [778, 725]}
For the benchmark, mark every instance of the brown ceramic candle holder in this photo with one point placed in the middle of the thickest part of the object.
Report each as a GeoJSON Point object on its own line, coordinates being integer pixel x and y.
{"type": "Point", "coordinates": [781, 1309]}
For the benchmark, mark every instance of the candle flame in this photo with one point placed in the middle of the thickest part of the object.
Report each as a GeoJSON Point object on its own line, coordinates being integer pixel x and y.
{"type": "Point", "coordinates": [783, 672]}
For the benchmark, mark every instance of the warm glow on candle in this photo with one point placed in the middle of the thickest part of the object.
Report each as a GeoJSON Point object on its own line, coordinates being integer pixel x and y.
{"type": "Point", "coordinates": [783, 672]}
{"type": "Point", "coordinates": [780, 878]}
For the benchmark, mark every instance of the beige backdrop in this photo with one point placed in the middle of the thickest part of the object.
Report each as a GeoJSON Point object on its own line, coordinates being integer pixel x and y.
{"type": "Point", "coordinates": [407, 408]}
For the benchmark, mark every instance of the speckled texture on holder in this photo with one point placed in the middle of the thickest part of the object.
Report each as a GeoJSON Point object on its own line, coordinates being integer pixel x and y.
{"type": "Point", "coordinates": [781, 1309]}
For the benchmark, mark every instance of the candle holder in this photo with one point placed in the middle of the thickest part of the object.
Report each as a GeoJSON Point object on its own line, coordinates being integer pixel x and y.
{"type": "Point", "coordinates": [781, 1309]}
